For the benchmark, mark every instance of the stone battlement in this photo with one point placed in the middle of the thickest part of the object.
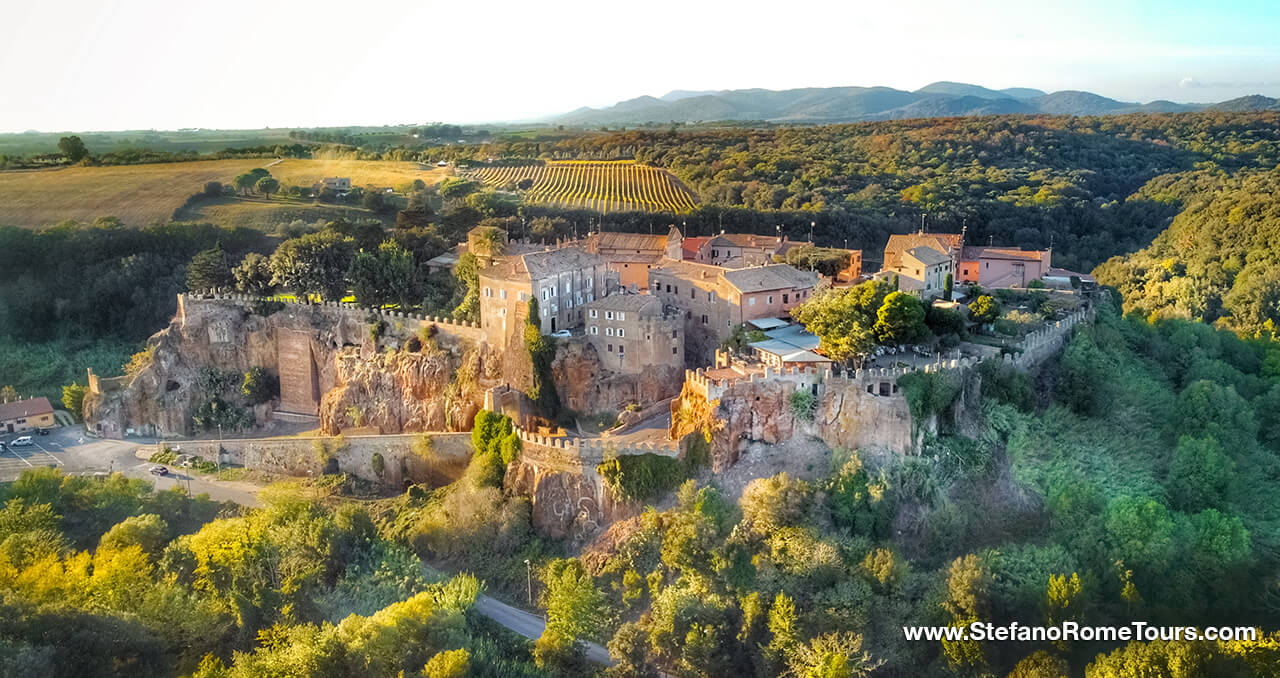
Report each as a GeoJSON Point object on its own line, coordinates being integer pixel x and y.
{"type": "Point", "coordinates": [461, 327]}
{"type": "Point", "coordinates": [577, 454]}
{"type": "Point", "coordinates": [1033, 348]}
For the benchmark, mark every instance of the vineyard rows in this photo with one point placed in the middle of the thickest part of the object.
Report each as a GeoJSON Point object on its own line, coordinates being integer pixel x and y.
{"type": "Point", "coordinates": [598, 185]}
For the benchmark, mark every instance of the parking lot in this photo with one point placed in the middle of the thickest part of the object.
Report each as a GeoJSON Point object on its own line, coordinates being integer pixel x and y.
{"type": "Point", "coordinates": [44, 450]}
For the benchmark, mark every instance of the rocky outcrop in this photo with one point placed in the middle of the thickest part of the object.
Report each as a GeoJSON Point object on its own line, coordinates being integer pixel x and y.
{"type": "Point", "coordinates": [329, 364]}
{"type": "Point", "coordinates": [584, 385]}
{"type": "Point", "coordinates": [436, 389]}
{"type": "Point", "coordinates": [566, 503]}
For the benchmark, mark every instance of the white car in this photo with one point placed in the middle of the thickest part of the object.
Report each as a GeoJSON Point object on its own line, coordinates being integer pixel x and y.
{"type": "Point", "coordinates": [19, 442]}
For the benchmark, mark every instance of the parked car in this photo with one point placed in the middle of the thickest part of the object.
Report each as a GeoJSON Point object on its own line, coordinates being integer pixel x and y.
{"type": "Point", "coordinates": [159, 471]}
{"type": "Point", "coordinates": [42, 431]}
{"type": "Point", "coordinates": [20, 441]}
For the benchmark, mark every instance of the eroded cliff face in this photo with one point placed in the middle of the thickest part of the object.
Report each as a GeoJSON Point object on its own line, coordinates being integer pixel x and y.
{"type": "Point", "coordinates": [584, 385]}
{"type": "Point", "coordinates": [398, 391]}
{"type": "Point", "coordinates": [565, 502]}
{"type": "Point", "coordinates": [327, 361]}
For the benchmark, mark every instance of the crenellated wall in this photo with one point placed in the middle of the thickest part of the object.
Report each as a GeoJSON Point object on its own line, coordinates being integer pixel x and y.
{"type": "Point", "coordinates": [854, 409]}
{"type": "Point", "coordinates": [567, 494]}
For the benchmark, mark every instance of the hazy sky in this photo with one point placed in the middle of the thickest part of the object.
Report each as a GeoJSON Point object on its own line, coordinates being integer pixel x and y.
{"type": "Point", "coordinates": [136, 64]}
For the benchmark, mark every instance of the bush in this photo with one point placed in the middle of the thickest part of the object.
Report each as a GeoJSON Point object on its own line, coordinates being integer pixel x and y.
{"type": "Point", "coordinates": [802, 404]}
{"type": "Point", "coordinates": [259, 386]}
{"type": "Point", "coordinates": [641, 477]}
{"type": "Point", "coordinates": [1004, 383]}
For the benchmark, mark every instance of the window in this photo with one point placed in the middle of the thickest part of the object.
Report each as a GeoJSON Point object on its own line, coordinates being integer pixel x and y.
{"type": "Point", "coordinates": [622, 315]}
{"type": "Point", "coordinates": [523, 296]}
{"type": "Point", "coordinates": [770, 298]}
{"type": "Point", "coordinates": [608, 331]}
{"type": "Point", "coordinates": [693, 293]}
{"type": "Point", "coordinates": [568, 286]}
{"type": "Point", "coordinates": [675, 333]}
{"type": "Point", "coordinates": [674, 350]}
{"type": "Point", "coordinates": [594, 313]}
{"type": "Point", "coordinates": [622, 332]}
{"type": "Point", "coordinates": [545, 294]}
{"type": "Point", "coordinates": [704, 319]}
{"type": "Point", "coordinates": [555, 308]}
{"type": "Point", "coordinates": [588, 282]}
{"type": "Point", "coordinates": [608, 315]}
{"type": "Point", "coordinates": [488, 291]}
{"type": "Point", "coordinates": [611, 348]}
{"type": "Point", "coordinates": [590, 297]}
{"type": "Point", "coordinates": [544, 311]}
{"type": "Point", "coordinates": [502, 294]}
{"type": "Point", "coordinates": [668, 289]}
{"type": "Point", "coordinates": [784, 299]}
{"type": "Point", "coordinates": [553, 291]}
{"type": "Point", "coordinates": [677, 289]}
{"type": "Point", "coordinates": [595, 330]}
{"type": "Point", "coordinates": [622, 349]}
{"type": "Point", "coordinates": [503, 312]}
{"type": "Point", "coordinates": [711, 296]}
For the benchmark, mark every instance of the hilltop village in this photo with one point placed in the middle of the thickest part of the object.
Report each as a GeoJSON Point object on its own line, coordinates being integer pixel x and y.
{"type": "Point", "coordinates": [610, 345]}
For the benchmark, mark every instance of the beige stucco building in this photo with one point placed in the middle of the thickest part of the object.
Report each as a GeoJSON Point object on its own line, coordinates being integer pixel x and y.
{"type": "Point", "coordinates": [635, 332]}
{"type": "Point", "coordinates": [923, 271]}
{"type": "Point", "coordinates": [741, 250]}
{"type": "Point", "coordinates": [563, 280]}
{"type": "Point", "coordinates": [24, 415]}
{"type": "Point", "coordinates": [715, 299]}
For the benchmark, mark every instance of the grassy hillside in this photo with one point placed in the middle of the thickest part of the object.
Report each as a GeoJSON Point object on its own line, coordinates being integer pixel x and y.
{"type": "Point", "coordinates": [270, 215]}
{"type": "Point", "coordinates": [138, 194]}
{"type": "Point", "coordinates": [144, 194]}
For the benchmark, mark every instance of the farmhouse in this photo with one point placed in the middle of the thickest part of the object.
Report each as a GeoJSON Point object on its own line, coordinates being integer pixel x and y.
{"type": "Point", "coordinates": [562, 280]}
{"type": "Point", "coordinates": [335, 184]}
{"type": "Point", "coordinates": [635, 332]}
{"type": "Point", "coordinates": [22, 415]}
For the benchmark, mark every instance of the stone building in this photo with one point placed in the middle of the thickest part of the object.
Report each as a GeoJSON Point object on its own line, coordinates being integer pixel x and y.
{"type": "Point", "coordinates": [922, 270]}
{"type": "Point", "coordinates": [562, 280]}
{"type": "Point", "coordinates": [635, 332]}
{"type": "Point", "coordinates": [741, 250]}
{"type": "Point", "coordinates": [715, 299]}
{"type": "Point", "coordinates": [632, 255]}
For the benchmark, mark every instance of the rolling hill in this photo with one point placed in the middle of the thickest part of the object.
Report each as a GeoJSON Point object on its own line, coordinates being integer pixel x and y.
{"type": "Point", "coordinates": [850, 104]}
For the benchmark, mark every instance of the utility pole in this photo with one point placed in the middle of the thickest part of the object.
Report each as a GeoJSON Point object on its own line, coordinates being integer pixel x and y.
{"type": "Point", "coordinates": [529, 569]}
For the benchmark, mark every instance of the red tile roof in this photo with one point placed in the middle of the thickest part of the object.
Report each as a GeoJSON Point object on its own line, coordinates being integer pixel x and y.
{"type": "Point", "coordinates": [20, 409]}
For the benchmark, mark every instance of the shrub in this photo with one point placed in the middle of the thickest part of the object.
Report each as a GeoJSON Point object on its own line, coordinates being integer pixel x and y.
{"type": "Point", "coordinates": [259, 386]}
{"type": "Point", "coordinates": [378, 464]}
{"type": "Point", "coordinates": [641, 477]}
{"type": "Point", "coordinates": [802, 404]}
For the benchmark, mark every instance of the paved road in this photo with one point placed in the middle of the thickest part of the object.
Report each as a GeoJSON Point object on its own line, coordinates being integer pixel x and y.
{"type": "Point", "coordinates": [67, 448]}
{"type": "Point", "coordinates": [530, 626]}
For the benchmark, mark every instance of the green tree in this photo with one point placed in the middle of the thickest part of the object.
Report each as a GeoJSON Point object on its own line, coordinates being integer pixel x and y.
{"type": "Point", "coordinates": [313, 264]}
{"type": "Point", "coordinates": [843, 318]}
{"type": "Point", "coordinates": [1199, 474]}
{"type": "Point", "coordinates": [575, 607]}
{"type": "Point", "coordinates": [542, 351]}
{"type": "Point", "coordinates": [457, 188]}
{"type": "Point", "coordinates": [384, 276]}
{"type": "Point", "coordinates": [73, 399]}
{"type": "Point", "coordinates": [259, 386]}
{"type": "Point", "coordinates": [900, 320]}
{"type": "Point", "coordinates": [467, 271]}
{"type": "Point", "coordinates": [209, 270]}
{"type": "Point", "coordinates": [267, 186]}
{"type": "Point", "coordinates": [245, 182]}
{"type": "Point", "coordinates": [73, 147]}
{"type": "Point", "coordinates": [253, 275]}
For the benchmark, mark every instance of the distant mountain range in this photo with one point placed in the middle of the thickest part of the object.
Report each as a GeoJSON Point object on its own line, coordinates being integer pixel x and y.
{"type": "Point", "coordinates": [848, 104]}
